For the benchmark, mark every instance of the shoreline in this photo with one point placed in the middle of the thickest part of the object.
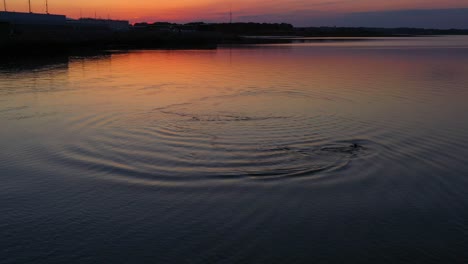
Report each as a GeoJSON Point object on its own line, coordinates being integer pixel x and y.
{"type": "Point", "coordinates": [24, 49]}
{"type": "Point", "coordinates": [33, 40]}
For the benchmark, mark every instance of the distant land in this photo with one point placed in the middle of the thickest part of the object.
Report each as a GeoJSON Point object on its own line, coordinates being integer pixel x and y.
{"type": "Point", "coordinates": [29, 33]}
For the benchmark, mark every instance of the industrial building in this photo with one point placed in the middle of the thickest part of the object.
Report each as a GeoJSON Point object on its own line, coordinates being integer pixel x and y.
{"type": "Point", "coordinates": [19, 30]}
{"type": "Point", "coordinates": [34, 19]}
{"type": "Point", "coordinates": [16, 18]}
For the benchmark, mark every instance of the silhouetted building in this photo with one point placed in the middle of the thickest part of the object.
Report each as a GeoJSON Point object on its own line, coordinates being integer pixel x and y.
{"type": "Point", "coordinates": [16, 18]}
{"type": "Point", "coordinates": [33, 19]}
{"type": "Point", "coordinates": [19, 30]}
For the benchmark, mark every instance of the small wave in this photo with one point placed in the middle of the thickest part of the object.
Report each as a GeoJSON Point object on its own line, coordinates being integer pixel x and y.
{"type": "Point", "coordinates": [31, 115]}
{"type": "Point", "coordinates": [12, 109]}
{"type": "Point", "coordinates": [176, 152]}
{"type": "Point", "coordinates": [219, 117]}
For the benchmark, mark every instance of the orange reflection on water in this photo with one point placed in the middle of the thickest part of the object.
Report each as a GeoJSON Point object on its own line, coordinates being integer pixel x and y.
{"type": "Point", "coordinates": [332, 79]}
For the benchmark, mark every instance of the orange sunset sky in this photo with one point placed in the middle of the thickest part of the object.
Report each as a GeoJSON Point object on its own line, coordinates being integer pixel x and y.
{"type": "Point", "coordinates": [291, 11]}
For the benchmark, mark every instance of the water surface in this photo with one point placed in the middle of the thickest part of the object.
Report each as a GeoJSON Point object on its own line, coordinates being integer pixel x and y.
{"type": "Point", "coordinates": [328, 151]}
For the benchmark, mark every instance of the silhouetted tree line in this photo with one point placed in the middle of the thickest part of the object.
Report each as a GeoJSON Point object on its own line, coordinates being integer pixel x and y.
{"type": "Point", "coordinates": [288, 29]}
{"type": "Point", "coordinates": [374, 32]}
{"type": "Point", "coordinates": [226, 28]}
{"type": "Point", "coordinates": [249, 28]}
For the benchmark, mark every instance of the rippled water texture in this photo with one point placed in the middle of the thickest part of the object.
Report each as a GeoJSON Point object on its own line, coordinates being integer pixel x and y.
{"type": "Point", "coordinates": [305, 152]}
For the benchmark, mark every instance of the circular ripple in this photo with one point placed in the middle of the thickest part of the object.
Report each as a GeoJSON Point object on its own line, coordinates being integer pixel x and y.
{"type": "Point", "coordinates": [187, 149]}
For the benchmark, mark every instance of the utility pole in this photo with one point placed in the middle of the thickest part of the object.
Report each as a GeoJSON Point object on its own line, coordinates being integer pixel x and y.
{"type": "Point", "coordinates": [4, 5]}
{"type": "Point", "coordinates": [30, 6]}
{"type": "Point", "coordinates": [47, 6]}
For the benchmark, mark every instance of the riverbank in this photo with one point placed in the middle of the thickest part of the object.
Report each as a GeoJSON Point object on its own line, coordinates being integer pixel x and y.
{"type": "Point", "coordinates": [34, 39]}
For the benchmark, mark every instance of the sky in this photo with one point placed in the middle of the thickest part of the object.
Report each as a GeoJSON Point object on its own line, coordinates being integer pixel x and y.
{"type": "Point", "coordinates": [379, 13]}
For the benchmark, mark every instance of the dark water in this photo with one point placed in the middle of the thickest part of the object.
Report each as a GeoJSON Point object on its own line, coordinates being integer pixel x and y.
{"type": "Point", "coordinates": [323, 152]}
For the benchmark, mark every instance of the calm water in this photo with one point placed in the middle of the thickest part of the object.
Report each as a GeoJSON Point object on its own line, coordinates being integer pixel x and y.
{"type": "Point", "coordinates": [333, 152]}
